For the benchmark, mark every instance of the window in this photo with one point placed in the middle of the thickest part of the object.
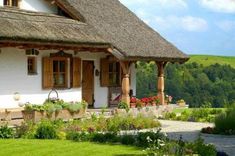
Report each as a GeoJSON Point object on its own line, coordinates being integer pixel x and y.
{"type": "Point", "coordinates": [32, 65]}
{"type": "Point", "coordinates": [60, 73]}
{"type": "Point", "coordinates": [114, 73]}
{"type": "Point", "coordinates": [110, 73]}
{"type": "Point", "coordinates": [14, 3]}
{"type": "Point", "coordinates": [32, 61]}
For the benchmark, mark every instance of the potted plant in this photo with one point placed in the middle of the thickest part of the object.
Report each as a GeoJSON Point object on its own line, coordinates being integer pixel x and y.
{"type": "Point", "coordinates": [133, 102]}
{"type": "Point", "coordinates": [181, 103]}
{"type": "Point", "coordinates": [33, 113]}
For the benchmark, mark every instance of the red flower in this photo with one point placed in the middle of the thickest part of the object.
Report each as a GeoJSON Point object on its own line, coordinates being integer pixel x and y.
{"type": "Point", "coordinates": [133, 100]}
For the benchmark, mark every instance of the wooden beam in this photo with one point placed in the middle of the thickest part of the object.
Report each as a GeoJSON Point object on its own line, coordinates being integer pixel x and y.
{"type": "Point", "coordinates": [161, 84]}
{"type": "Point", "coordinates": [46, 46]}
{"type": "Point", "coordinates": [125, 65]}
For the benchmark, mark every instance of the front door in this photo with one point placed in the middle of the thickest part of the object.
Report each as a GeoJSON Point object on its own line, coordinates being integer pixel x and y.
{"type": "Point", "coordinates": [88, 82]}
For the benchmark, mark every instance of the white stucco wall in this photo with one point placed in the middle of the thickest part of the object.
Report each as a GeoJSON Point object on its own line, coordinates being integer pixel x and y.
{"type": "Point", "coordinates": [14, 78]}
{"type": "Point", "coordinates": [1, 2]}
{"type": "Point", "coordinates": [38, 5]}
{"type": "Point", "coordinates": [133, 79]}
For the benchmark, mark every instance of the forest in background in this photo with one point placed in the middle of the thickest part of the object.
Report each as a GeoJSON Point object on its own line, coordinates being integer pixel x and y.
{"type": "Point", "coordinates": [198, 83]}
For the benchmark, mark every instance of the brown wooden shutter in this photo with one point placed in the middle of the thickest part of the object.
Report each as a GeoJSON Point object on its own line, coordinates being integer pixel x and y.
{"type": "Point", "coordinates": [76, 72]}
{"type": "Point", "coordinates": [47, 72]}
{"type": "Point", "coordinates": [104, 67]}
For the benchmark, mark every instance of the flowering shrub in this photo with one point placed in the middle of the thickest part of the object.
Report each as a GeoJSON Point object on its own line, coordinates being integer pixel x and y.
{"type": "Point", "coordinates": [133, 100]}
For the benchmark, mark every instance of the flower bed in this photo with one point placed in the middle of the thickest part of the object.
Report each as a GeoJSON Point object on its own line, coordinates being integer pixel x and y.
{"type": "Point", "coordinates": [54, 110]}
{"type": "Point", "coordinates": [144, 102]}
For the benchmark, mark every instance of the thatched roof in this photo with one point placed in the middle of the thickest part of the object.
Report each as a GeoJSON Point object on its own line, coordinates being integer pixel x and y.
{"type": "Point", "coordinates": [95, 22]}
{"type": "Point", "coordinates": [21, 26]}
{"type": "Point", "coordinates": [118, 25]}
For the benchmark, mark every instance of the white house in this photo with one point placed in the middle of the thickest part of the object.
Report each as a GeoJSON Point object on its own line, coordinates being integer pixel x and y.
{"type": "Point", "coordinates": [85, 49]}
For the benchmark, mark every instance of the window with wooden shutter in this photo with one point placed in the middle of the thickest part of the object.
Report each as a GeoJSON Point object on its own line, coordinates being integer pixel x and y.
{"type": "Point", "coordinates": [76, 72]}
{"type": "Point", "coordinates": [104, 67]}
{"type": "Point", "coordinates": [47, 72]}
{"type": "Point", "coordinates": [111, 73]}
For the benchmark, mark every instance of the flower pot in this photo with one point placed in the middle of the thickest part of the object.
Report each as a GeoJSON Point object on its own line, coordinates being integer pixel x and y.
{"type": "Point", "coordinates": [34, 116]}
{"type": "Point", "coordinates": [181, 104]}
{"type": "Point", "coordinates": [63, 114]}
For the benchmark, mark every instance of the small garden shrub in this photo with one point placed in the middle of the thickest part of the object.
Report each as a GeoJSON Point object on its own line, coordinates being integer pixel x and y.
{"type": "Point", "coordinates": [225, 122]}
{"type": "Point", "coordinates": [128, 140]}
{"type": "Point", "coordinates": [46, 130]}
{"type": "Point", "coordinates": [141, 138]}
{"type": "Point", "coordinates": [26, 130]}
{"type": "Point", "coordinates": [105, 137]}
{"type": "Point", "coordinates": [6, 132]}
{"type": "Point", "coordinates": [200, 148]}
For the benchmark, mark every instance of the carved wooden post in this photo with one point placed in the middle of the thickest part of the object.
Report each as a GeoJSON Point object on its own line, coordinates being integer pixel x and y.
{"type": "Point", "coordinates": [161, 85]}
{"type": "Point", "coordinates": [125, 81]}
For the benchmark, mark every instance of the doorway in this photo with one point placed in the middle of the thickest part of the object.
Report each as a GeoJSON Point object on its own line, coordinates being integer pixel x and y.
{"type": "Point", "coordinates": [88, 82]}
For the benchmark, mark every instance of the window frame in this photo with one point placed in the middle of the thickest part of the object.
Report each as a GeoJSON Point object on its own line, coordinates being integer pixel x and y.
{"type": "Point", "coordinates": [32, 71]}
{"type": "Point", "coordinates": [114, 72]}
{"type": "Point", "coordinates": [66, 72]}
{"type": "Point", "coordinates": [11, 3]}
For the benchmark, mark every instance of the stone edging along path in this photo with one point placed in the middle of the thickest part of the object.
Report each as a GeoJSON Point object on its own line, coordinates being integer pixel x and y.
{"type": "Point", "coordinates": [191, 130]}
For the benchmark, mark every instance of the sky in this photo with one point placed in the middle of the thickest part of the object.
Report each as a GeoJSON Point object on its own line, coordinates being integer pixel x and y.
{"type": "Point", "coordinates": [193, 26]}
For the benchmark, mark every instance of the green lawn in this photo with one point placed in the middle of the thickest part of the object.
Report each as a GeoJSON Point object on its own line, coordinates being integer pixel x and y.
{"type": "Point", "coordinates": [21, 147]}
{"type": "Point", "coordinates": [207, 60]}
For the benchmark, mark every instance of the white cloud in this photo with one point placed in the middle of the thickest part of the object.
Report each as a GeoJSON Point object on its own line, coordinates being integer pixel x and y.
{"type": "Point", "coordinates": [161, 3]}
{"type": "Point", "coordinates": [226, 25]}
{"type": "Point", "coordinates": [188, 23]}
{"type": "Point", "coordinates": [194, 23]}
{"type": "Point", "coordinates": [224, 6]}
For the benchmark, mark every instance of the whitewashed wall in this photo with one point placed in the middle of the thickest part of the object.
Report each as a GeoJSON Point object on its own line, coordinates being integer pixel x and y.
{"type": "Point", "coordinates": [133, 79]}
{"type": "Point", "coordinates": [38, 5]}
{"type": "Point", "coordinates": [1, 2]}
{"type": "Point", "coordinates": [14, 78]}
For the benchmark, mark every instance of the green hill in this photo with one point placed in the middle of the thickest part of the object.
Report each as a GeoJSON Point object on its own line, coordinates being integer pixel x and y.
{"type": "Point", "coordinates": [207, 60]}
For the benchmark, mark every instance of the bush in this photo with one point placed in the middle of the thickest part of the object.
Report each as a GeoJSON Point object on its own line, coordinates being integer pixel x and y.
{"type": "Point", "coordinates": [26, 130]}
{"type": "Point", "coordinates": [128, 140]}
{"type": "Point", "coordinates": [169, 116]}
{"type": "Point", "coordinates": [6, 132]}
{"type": "Point", "coordinates": [200, 148]}
{"type": "Point", "coordinates": [123, 105]}
{"type": "Point", "coordinates": [225, 122]}
{"type": "Point", "coordinates": [142, 138]}
{"type": "Point", "coordinates": [46, 130]}
{"type": "Point", "coordinates": [105, 137]}
{"type": "Point", "coordinates": [200, 114]}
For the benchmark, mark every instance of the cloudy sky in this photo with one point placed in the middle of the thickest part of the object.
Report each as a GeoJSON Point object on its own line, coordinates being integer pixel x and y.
{"type": "Point", "coordinates": [194, 26]}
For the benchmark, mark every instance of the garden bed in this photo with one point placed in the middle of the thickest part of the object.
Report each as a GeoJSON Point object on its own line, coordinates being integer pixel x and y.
{"type": "Point", "coordinates": [54, 110]}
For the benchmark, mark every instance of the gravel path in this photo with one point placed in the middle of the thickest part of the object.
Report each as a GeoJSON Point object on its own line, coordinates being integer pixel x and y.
{"type": "Point", "coordinates": [191, 130]}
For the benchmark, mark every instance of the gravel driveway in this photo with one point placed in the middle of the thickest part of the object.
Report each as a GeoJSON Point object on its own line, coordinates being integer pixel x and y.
{"type": "Point", "coordinates": [191, 130]}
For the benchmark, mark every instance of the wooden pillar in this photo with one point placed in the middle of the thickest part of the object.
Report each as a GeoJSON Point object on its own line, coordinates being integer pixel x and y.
{"type": "Point", "coordinates": [161, 84]}
{"type": "Point", "coordinates": [125, 65]}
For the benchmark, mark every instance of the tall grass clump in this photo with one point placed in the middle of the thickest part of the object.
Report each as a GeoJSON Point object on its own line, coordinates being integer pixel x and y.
{"type": "Point", "coordinates": [225, 122]}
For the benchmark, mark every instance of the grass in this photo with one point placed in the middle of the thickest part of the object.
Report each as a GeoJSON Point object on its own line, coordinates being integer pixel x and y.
{"type": "Point", "coordinates": [24, 147]}
{"type": "Point", "coordinates": [207, 60]}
